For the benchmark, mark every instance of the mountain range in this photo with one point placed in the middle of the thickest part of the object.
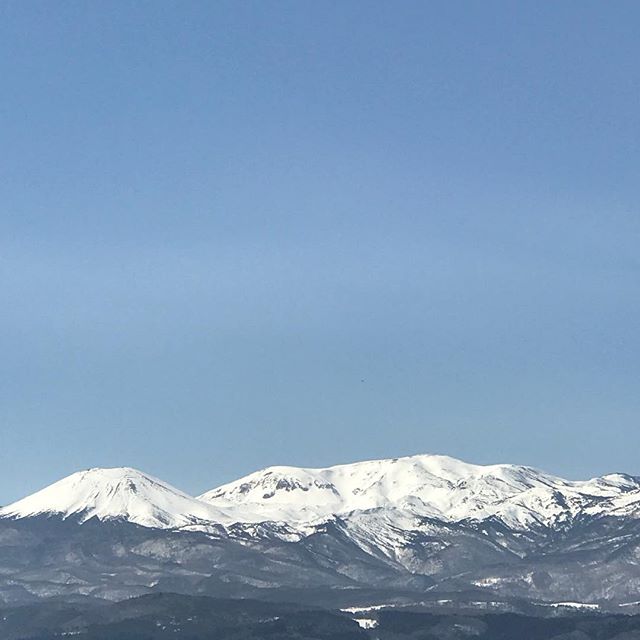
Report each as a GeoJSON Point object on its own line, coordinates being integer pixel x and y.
{"type": "Point", "coordinates": [425, 528]}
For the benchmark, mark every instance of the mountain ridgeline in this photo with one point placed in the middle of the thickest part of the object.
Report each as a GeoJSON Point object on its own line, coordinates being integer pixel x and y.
{"type": "Point", "coordinates": [427, 529]}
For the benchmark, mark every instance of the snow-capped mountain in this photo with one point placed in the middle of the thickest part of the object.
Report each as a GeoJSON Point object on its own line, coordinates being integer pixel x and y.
{"type": "Point", "coordinates": [408, 525]}
{"type": "Point", "coordinates": [426, 485]}
{"type": "Point", "coordinates": [423, 486]}
{"type": "Point", "coordinates": [121, 493]}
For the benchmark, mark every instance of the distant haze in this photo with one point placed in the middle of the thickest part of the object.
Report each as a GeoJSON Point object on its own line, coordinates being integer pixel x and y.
{"type": "Point", "coordinates": [235, 235]}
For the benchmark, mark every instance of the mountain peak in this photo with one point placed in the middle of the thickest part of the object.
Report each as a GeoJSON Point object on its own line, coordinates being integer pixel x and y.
{"type": "Point", "coordinates": [433, 486]}
{"type": "Point", "coordinates": [115, 493]}
{"type": "Point", "coordinates": [421, 486]}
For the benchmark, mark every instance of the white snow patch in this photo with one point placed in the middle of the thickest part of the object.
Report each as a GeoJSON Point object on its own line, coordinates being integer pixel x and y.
{"type": "Point", "coordinates": [373, 607]}
{"type": "Point", "coordinates": [573, 605]}
{"type": "Point", "coordinates": [367, 623]}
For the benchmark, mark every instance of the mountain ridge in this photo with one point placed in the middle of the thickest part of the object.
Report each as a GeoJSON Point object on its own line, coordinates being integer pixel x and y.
{"type": "Point", "coordinates": [433, 486]}
{"type": "Point", "coordinates": [406, 527]}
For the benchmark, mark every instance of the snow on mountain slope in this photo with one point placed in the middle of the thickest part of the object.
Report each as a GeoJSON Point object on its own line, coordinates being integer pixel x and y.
{"type": "Point", "coordinates": [120, 493]}
{"type": "Point", "coordinates": [391, 496]}
{"type": "Point", "coordinates": [427, 486]}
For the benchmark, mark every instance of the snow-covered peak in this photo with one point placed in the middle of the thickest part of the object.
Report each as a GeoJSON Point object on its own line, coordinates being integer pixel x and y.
{"type": "Point", "coordinates": [119, 493]}
{"type": "Point", "coordinates": [424, 485]}
{"type": "Point", "coordinates": [397, 490]}
{"type": "Point", "coordinates": [433, 485]}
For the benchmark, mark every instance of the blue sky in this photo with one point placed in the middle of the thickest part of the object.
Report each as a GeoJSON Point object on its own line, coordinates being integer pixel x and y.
{"type": "Point", "coordinates": [242, 234]}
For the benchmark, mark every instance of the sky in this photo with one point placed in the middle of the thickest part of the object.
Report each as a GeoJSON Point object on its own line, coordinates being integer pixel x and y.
{"type": "Point", "coordinates": [239, 234]}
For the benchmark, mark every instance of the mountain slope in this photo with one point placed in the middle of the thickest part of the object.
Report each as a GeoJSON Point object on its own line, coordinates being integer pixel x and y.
{"type": "Point", "coordinates": [416, 527]}
{"type": "Point", "coordinates": [427, 486]}
{"type": "Point", "coordinates": [401, 489]}
{"type": "Point", "coordinates": [120, 493]}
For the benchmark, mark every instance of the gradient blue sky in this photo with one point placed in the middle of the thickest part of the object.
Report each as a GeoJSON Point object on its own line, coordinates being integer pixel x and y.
{"type": "Point", "coordinates": [237, 234]}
